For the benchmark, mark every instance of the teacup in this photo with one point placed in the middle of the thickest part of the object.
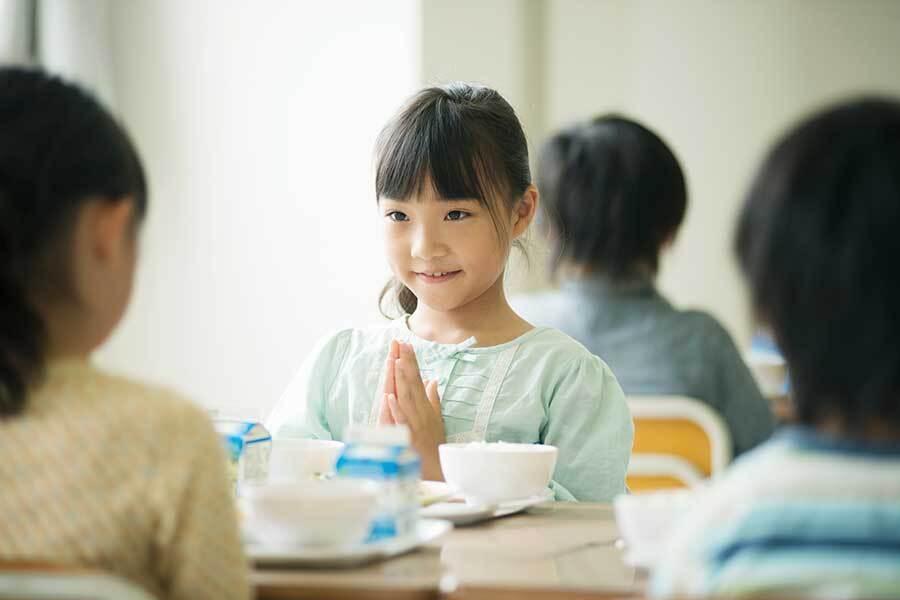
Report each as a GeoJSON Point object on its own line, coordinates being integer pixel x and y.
{"type": "Point", "coordinates": [645, 521]}
{"type": "Point", "coordinates": [295, 459]}
{"type": "Point", "coordinates": [316, 513]}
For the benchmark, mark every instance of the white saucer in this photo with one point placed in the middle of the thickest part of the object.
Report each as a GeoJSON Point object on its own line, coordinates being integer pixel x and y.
{"type": "Point", "coordinates": [316, 556]}
{"type": "Point", "coordinates": [431, 492]}
{"type": "Point", "coordinates": [460, 513]}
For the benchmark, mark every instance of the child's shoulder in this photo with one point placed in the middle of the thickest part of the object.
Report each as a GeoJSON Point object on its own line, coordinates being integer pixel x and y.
{"type": "Point", "coordinates": [555, 349]}
{"type": "Point", "coordinates": [358, 339]}
{"type": "Point", "coordinates": [131, 401]}
{"type": "Point", "coordinates": [122, 411]}
{"type": "Point", "coordinates": [557, 344]}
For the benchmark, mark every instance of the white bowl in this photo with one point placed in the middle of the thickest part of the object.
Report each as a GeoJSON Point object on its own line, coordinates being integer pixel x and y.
{"type": "Point", "coordinates": [645, 521]}
{"type": "Point", "coordinates": [296, 459]}
{"type": "Point", "coordinates": [491, 473]}
{"type": "Point", "coordinates": [316, 513]}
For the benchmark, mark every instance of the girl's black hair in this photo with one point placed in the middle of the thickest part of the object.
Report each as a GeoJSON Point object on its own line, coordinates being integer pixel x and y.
{"type": "Point", "coordinates": [612, 192]}
{"type": "Point", "coordinates": [466, 141]}
{"type": "Point", "coordinates": [58, 148]}
{"type": "Point", "coordinates": [818, 242]}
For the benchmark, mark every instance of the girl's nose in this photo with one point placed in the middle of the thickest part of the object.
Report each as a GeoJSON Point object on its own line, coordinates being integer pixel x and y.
{"type": "Point", "coordinates": [427, 244]}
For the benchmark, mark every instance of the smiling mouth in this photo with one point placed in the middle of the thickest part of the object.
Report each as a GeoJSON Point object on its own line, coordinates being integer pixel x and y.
{"type": "Point", "coordinates": [437, 277]}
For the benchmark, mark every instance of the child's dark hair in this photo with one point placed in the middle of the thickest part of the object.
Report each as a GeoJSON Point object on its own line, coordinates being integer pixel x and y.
{"type": "Point", "coordinates": [818, 243]}
{"type": "Point", "coordinates": [613, 193]}
{"type": "Point", "coordinates": [58, 148]}
{"type": "Point", "coordinates": [465, 140]}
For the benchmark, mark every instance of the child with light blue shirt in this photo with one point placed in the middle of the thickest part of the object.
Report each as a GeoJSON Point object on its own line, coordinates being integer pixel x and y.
{"type": "Point", "coordinates": [815, 511]}
{"type": "Point", "coordinates": [454, 190]}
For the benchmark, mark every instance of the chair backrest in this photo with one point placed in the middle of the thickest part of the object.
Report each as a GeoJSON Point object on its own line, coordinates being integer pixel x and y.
{"type": "Point", "coordinates": [41, 581]}
{"type": "Point", "coordinates": [678, 442]}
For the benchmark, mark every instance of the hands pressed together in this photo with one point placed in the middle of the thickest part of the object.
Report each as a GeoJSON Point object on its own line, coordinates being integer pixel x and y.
{"type": "Point", "coordinates": [407, 400]}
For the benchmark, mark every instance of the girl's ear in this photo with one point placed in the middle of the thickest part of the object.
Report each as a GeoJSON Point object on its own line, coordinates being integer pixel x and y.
{"type": "Point", "coordinates": [112, 228]}
{"type": "Point", "coordinates": [524, 211]}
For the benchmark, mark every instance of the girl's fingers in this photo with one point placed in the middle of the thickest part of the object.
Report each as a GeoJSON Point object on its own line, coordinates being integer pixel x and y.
{"type": "Point", "coordinates": [390, 387]}
{"type": "Point", "coordinates": [393, 354]}
{"type": "Point", "coordinates": [409, 391]}
{"type": "Point", "coordinates": [434, 399]}
{"type": "Point", "coordinates": [396, 411]}
{"type": "Point", "coordinates": [385, 417]}
{"type": "Point", "coordinates": [406, 351]}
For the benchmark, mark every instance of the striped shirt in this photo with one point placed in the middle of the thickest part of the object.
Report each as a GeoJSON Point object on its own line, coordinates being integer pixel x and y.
{"type": "Point", "coordinates": [109, 474]}
{"type": "Point", "coordinates": [802, 513]}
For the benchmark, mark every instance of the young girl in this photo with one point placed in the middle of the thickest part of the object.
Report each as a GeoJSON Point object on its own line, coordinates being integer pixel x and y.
{"type": "Point", "coordinates": [100, 471]}
{"type": "Point", "coordinates": [454, 192]}
{"type": "Point", "coordinates": [815, 511]}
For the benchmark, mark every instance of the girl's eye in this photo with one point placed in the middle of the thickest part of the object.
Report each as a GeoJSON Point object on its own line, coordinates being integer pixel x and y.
{"type": "Point", "coordinates": [397, 216]}
{"type": "Point", "coordinates": [457, 215]}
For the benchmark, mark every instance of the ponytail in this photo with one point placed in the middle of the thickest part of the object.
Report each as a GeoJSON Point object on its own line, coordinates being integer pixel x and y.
{"type": "Point", "coordinates": [21, 346]}
{"type": "Point", "coordinates": [403, 298]}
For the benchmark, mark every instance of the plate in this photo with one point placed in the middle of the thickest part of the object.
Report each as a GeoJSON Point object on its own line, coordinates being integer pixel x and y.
{"type": "Point", "coordinates": [430, 492]}
{"type": "Point", "coordinates": [264, 555]}
{"type": "Point", "coordinates": [460, 513]}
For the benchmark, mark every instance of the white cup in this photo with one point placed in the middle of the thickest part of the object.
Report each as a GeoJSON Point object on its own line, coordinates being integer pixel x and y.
{"type": "Point", "coordinates": [295, 459]}
{"type": "Point", "coordinates": [646, 520]}
{"type": "Point", "coordinates": [316, 513]}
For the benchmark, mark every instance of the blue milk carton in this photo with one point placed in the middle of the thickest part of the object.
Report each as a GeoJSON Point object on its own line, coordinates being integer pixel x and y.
{"type": "Point", "coordinates": [383, 455]}
{"type": "Point", "coordinates": [248, 446]}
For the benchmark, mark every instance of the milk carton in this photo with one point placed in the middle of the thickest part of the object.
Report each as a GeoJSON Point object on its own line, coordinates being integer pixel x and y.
{"type": "Point", "coordinates": [383, 455]}
{"type": "Point", "coordinates": [247, 446]}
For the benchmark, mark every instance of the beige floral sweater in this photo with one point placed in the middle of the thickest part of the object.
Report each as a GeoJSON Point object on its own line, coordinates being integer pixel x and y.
{"type": "Point", "coordinates": [103, 472]}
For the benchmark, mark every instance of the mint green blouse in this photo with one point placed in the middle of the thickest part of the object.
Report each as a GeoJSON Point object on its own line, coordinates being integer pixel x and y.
{"type": "Point", "coordinates": [542, 387]}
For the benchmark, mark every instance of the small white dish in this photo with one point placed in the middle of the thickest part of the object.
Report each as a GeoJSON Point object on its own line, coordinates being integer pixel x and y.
{"type": "Point", "coordinates": [265, 554]}
{"type": "Point", "coordinates": [461, 513]}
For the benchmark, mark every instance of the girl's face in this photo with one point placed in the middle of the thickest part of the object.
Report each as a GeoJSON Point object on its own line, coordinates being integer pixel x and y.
{"type": "Point", "coordinates": [448, 251]}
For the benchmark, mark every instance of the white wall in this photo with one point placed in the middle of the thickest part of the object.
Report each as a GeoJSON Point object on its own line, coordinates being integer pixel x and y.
{"type": "Point", "coordinates": [718, 80]}
{"type": "Point", "coordinates": [499, 43]}
{"type": "Point", "coordinates": [15, 30]}
{"type": "Point", "coordinates": [256, 121]}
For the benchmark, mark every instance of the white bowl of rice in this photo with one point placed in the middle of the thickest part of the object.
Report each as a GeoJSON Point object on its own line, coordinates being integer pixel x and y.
{"type": "Point", "coordinates": [493, 473]}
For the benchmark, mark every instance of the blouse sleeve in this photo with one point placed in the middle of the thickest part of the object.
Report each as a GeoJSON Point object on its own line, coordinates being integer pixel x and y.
{"type": "Point", "coordinates": [589, 421]}
{"type": "Point", "coordinates": [300, 412]}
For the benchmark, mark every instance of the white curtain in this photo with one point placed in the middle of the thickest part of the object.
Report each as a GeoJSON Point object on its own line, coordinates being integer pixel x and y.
{"type": "Point", "coordinates": [68, 37]}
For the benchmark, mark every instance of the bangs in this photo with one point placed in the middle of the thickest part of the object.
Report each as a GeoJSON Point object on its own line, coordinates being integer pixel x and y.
{"type": "Point", "coordinates": [432, 143]}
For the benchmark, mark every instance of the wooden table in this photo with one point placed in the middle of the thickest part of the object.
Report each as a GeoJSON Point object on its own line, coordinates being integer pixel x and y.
{"type": "Point", "coordinates": [557, 550]}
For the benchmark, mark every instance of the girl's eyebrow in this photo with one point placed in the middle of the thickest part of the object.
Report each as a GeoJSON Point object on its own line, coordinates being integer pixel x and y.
{"type": "Point", "coordinates": [440, 199]}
